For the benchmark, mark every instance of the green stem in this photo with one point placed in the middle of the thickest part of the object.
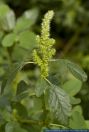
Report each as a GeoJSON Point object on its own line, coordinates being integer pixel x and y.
{"type": "Point", "coordinates": [48, 81]}
{"type": "Point", "coordinates": [28, 121]}
{"type": "Point", "coordinates": [29, 62]}
{"type": "Point", "coordinates": [44, 111]}
{"type": "Point", "coordinates": [58, 125]}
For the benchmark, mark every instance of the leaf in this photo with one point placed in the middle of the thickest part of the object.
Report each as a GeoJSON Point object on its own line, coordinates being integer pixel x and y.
{"type": "Point", "coordinates": [72, 87]}
{"type": "Point", "coordinates": [76, 71]}
{"type": "Point", "coordinates": [60, 104]}
{"type": "Point", "coordinates": [77, 121]}
{"type": "Point", "coordinates": [10, 75]}
{"type": "Point", "coordinates": [7, 18]}
{"type": "Point", "coordinates": [41, 86]}
{"type": "Point", "coordinates": [20, 109]}
{"type": "Point", "coordinates": [31, 14]}
{"type": "Point", "coordinates": [78, 108]}
{"type": "Point", "coordinates": [68, 66]}
{"type": "Point", "coordinates": [22, 91]}
{"type": "Point", "coordinates": [57, 71]}
{"type": "Point", "coordinates": [9, 40]}
{"type": "Point", "coordinates": [74, 100]}
{"type": "Point", "coordinates": [4, 102]}
{"type": "Point", "coordinates": [3, 9]}
{"type": "Point", "coordinates": [22, 25]}
{"type": "Point", "coordinates": [22, 87]}
{"type": "Point", "coordinates": [27, 40]}
{"type": "Point", "coordinates": [87, 123]}
{"type": "Point", "coordinates": [13, 127]}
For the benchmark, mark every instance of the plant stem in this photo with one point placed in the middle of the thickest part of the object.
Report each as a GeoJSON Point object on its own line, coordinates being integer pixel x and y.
{"type": "Point", "coordinates": [27, 121]}
{"type": "Point", "coordinates": [48, 81]}
{"type": "Point", "coordinates": [57, 125]}
{"type": "Point", "coordinates": [29, 62]}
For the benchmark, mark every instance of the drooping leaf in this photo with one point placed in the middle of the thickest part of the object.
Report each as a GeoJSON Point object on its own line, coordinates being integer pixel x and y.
{"type": "Point", "coordinates": [72, 87]}
{"type": "Point", "coordinates": [68, 66]}
{"type": "Point", "coordinates": [10, 75]}
{"type": "Point", "coordinates": [41, 85]}
{"type": "Point", "coordinates": [9, 40]}
{"type": "Point", "coordinates": [22, 91]}
{"type": "Point", "coordinates": [22, 87]}
{"type": "Point", "coordinates": [59, 103]}
{"type": "Point", "coordinates": [76, 71]}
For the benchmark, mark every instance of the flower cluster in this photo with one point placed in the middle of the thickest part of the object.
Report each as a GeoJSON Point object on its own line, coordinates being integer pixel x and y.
{"type": "Point", "coordinates": [45, 44]}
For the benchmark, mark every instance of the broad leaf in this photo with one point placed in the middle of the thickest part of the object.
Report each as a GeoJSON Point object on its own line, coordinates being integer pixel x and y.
{"type": "Point", "coordinates": [72, 87]}
{"type": "Point", "coordinates": [74, 100]}
{"type": "Point", "coordinates": [22, 25]}
{"type": "Point", "coordinates": [41, 86]}
{"type": "Point", "coordinates": [20, 109]}
{"type": "Point", "coordinates": [66, 65]}
{"type": "Point", "coordinates": [22, 87]}
{"type": "Point", "coordinates": [4, 102]}
{"type": "Point", "coordinates": [10, 75]}
{"type": "Point", "coordinates": [9, 40]}
{"type": "Point", "coordinates": [27, 40]}
{"type": "Point", "coordinates": [22, 91]}
{"type": "Point", "coordinates": [31, 14]}
{"type": "Point", "coordinates": [7, 18]}
{"type": "Point", "coordinates": [78, 108]}
{"type": "Point", "coordinates": [77, 121]}
{"type": "Point", "coordinates": [60, 104]}
{"type": "Point", "coordinates": [13, 127]}
{"type": "Point", "coordinates": [87, 123]}
{"type": "Point", "coordinates": [76, 71]}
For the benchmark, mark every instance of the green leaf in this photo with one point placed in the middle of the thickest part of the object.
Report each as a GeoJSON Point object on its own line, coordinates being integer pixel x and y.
{"type": "Point", "coordinates": [77, 121]}
{"type": "Point", "coordinates": [57, 71]}
{"type": "Point", "coordinates": [3, 9]}
{"type": "Point", "coordinates": [41, 86]}
{"type": "Point", "coordinates": [27, 40]}
{"type": "Point", "coordinates": [87, 123]}
{"type": "Point", "coordinates": [76, 71]}
{"type": "Point", "coordinates": [22, 25]}
{"type": "Point", "coordinates": [4, 102]}
{"type": "Point", "coordinates": [59, 103]}
{"type": "Point", "coordinates": [10, 75]}
{"type": "Point", "coordinates": [7, 18]}
{"type": "Point", "coordinates": [22, 91]}
{"type": "Point", "coordinates": [74, 100]}
{"type": "Point", "coordinates": [20, 109]}
{"type": "Point", "coordinates": [13, 127]}
{"type": "Point", "coordinates": [78, 108]}
{"type": "Point", "coordinates": [9, 40]}
{"type": "Point", "coordinates": [72, 87]}
{"type": "Point", "coordinates": [31, 14]}
{"type": "Point", "coordinates": [69, 66]}
{"type": "Point", "coordinates": [22, 87]}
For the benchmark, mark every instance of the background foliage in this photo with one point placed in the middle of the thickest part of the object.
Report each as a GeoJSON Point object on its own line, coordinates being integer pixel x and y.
{"type": "Point", "coordinates": [20, 21]}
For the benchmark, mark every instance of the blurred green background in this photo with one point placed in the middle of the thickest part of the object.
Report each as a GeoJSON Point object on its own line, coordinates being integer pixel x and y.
{"type": "Point", "coordinates": [69, 27]}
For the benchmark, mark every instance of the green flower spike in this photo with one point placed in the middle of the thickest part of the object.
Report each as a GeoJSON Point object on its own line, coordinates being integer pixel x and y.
{"type": "Point", "coordinates": [44, 53]}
